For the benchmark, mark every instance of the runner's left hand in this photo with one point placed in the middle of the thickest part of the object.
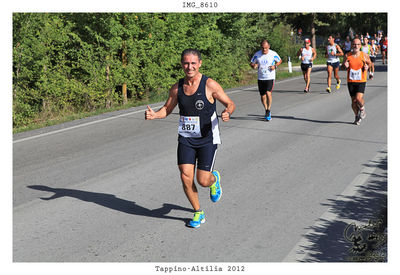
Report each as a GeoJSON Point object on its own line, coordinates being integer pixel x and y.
{"type": "Point", "coordinates": [225, 116]}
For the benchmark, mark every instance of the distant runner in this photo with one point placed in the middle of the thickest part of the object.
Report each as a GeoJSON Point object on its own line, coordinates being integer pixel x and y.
{"type": "Point", "coordinates": [266, 60]}
{"type": "Point", "coordinates": [333, 62]}
{"type": "Point", "coordinates": [198, 131]}
{"type": "Point", "coordinates": [357, 64]}
{"type": "Point", "coordinates": [384, 48]}
{"type": "Point", "coordinates": [307, 55]}
{"type": "Point", "coordinates": [347, 45]}
{"type": "Point", "coordinates": [367, 49]}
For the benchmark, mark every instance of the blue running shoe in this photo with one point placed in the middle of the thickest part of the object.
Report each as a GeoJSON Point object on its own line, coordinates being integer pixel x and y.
{"type": "Point", "coordinates": [215, 189]}
{"type": "Point", "coordinates": [198, 219]}
{"type": "Point", "coordinates": [268, 115]}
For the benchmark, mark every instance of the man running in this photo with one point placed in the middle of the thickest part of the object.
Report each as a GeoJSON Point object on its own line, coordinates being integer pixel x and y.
{"type": "Point", "coordinates": [347, 45]}
{"type": "Point", "coordinates": [357, 63]}
{"type": "Point", "coordinates": [333, 62]}
{"type": "Point", "coordinates": [266, 60]}
{"type": "Point", "coordinates": [384, 48]}
{"type": "Point", "coordinates": [307, 55]}
{"type": "Point", "coordinates": [366, 48]}
{"type": "Point", "coordinates": [372, 57]}
{"type": "Point", "coordinates": [198, 132]}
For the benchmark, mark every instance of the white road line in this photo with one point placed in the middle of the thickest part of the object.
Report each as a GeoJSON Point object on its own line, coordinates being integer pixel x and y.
{"type": "Point", "coordinates": [122, 115]}
{"type": "Point", "coordinates": [81, 125]}
{"type": "Point", "coordinates": [299, 252]}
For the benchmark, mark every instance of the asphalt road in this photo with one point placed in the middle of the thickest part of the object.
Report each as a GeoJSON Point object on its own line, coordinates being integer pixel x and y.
{"type": "Point", "coordinates": [107, 189]}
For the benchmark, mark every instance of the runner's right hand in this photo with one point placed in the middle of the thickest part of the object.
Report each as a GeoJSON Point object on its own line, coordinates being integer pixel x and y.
{"type": "Point", "coordinates": [149, 114]}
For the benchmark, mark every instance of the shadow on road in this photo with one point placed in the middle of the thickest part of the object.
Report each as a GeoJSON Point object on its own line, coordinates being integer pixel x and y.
{"type": "Point", "coordinates": [261, 118]}
{"type": "Point", "coordinates": [112, 202]}
{"type": "Point", "coordinates": [313, 120]}
{"type": "Point", "coordinates": [343, 240]}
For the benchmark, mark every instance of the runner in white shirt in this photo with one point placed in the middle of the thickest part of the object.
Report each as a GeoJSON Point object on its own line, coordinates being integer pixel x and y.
{"type": "Point", "coordinates": [307, 55]}
{"type": "Point", "coordinates": [347, 45]}
{"type": "Point", "coordinates": [266, 61]}
{"type": "Point", "coordinates": [333, 62]}
{"type": "Point", "coordinates": [372, 57]}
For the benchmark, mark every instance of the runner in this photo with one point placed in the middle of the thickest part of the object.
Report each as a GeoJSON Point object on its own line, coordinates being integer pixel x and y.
{"type": "Point", "coordinates": [198, 132]}
{"type": "Point", "coordinates": [266, 60]}
{"type": "Point", "coordinates": [347, 45]}
{"type": "Point", "coordinates": [333, 62]}
{"type": "Point", "coordinates": [367, 49]}
{"type": "Point", "coordinates": [372, 57]}
{"type": "Point", "coordinates": [357, 63]}
{"type": "Point", "coordinates": [384, 48]}
{"type": "Point", "coordinates": [307, 55]}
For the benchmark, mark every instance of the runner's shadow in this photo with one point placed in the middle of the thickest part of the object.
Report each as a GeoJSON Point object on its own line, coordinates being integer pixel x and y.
{"type": "Point", "coordinates": [261, 118]}
{"type": "Point", "coordinates": [313, 120]}
{"type": "Point", "coordinates": [380, 68]}
{"type": "Point", "coordinates": [113, 202]}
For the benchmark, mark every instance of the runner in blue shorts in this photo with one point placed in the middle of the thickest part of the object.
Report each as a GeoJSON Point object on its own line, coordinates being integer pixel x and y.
{"type": "Point", "coordinates": [198, 131]}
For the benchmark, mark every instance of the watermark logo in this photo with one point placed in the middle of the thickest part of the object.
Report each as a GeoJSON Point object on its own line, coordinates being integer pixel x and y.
{"type": "Point", "coordinates": [368, 241]}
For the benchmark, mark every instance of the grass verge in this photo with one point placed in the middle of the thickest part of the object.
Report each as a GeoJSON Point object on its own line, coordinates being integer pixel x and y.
{"type": "Point", "coordinates": [250, 78]}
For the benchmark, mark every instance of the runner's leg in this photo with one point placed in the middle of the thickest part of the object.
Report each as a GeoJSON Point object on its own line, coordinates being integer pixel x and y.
{"type": "Point", "coordinates": [189, 187]}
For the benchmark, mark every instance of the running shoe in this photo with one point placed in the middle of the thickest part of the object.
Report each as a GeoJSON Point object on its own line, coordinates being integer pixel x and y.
{"type": "Point", "coordinates": [328, 89]}
{"type": "Point", "coordinates": [198, 219]}
{"type": "Point", "coordinates": [215, 189]}
{"type": "Point", "coordinates": [268, 115]}
{"type": "Point", "coordinates": [357, 120]}
{"type": "Point", "coordinates": [361, 113]}
{"type": "Point", "coordinates": [371, 76]}
{"type": "Point", "coordinates": [338, 84]}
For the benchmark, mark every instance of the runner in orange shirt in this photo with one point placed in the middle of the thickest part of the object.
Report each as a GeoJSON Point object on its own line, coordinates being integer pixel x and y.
{"type": "Point", "coordinates": [357, 63]}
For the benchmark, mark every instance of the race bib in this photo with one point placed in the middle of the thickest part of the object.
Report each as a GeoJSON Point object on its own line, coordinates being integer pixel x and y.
{"type": "Point", "coordinates": [355, 74]}
{"type": "Point", "coordinates": [264, 70]}
{"type": "Point", "coordinates": [189, 126]}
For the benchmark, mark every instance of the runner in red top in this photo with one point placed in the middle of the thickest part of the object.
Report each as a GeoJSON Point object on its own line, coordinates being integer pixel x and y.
{"type": "Point", "coordinates": [384, 46]}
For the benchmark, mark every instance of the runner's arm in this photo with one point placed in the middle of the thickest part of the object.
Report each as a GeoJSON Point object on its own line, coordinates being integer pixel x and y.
{"type": "Point", "coordinates": [253, 62]}
{"type": "Point", "coordinates": [339, 51]}
{"type": "Point", "coordinates": [218, 93]}
{"type": "Point", "coordinates": [314, 54]}
{"type": "Point", "coordinates": [278, 63]}
{"type": "Point", "coordinates": [299, 52]}
{"type": "Point", "coordinates": [367, 60]}
{"type": "Point", "coordinates": [345, 64]}
{"type": "Point", "coordinates": [168, 107]}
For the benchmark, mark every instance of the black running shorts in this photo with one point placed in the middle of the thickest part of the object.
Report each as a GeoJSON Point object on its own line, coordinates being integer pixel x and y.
{"type": "Point", "coordinates": [204, 155]}
{"type": "Point", "coordinates": [356, 87]}
{"type": "Point", "coordinates": [305, 67]}
{"type": "Point", "coordinates": [265, 86]}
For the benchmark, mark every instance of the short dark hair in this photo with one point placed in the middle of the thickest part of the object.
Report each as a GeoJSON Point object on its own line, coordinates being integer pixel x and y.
{"type": "Point", "coordinates": [264, 41]}
{"type": "Point", "coordinates": [191, 51]}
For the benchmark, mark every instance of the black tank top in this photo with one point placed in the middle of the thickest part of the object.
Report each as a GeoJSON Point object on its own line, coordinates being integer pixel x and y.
{"type": "Point", "coordinates": [197, 105]}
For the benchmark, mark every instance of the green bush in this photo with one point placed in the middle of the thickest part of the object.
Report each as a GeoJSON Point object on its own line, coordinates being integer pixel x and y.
{"type": "Point", "coordinates": [79, 62]}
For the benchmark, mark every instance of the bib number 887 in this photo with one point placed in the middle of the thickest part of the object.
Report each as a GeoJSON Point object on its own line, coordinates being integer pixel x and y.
{"type": "Point", "coordinates": [188, 127]}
